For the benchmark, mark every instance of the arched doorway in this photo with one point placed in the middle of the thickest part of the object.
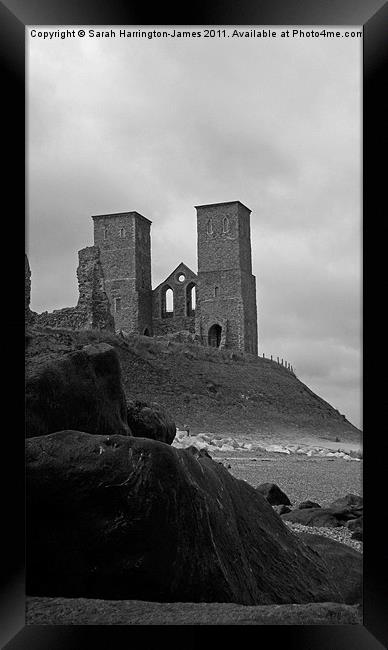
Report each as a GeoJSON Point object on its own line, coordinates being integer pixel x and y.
{"type": "Point", "coordinates": [214, 336]}
{"type": "Point", "coordinates": [146, 332]}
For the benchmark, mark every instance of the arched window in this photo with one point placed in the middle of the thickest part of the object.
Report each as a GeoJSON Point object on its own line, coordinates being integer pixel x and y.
{"type": "Point", "coordinates": [146, 332]}
{"type": "Point", "coordinates": [105, 233]}
{"type": "Point", "coordinates": [225, 225]}
{"type": "Point", "coordinates": [216, 292]}
{"type": "Point", "coordinates": [122, 233]}
{"type": "Point", "coordinates": [190, 299]}
{"type": "Point", "coordinates": [167, 297]}
{"type": "Point", "coordinates": [210, 227]}
{"type": "Point", "coordinates": [214, 336]}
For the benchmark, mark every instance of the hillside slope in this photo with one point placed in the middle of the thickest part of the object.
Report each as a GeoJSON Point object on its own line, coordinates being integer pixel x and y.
{"type": "Point", "coordinates": [209, 389]}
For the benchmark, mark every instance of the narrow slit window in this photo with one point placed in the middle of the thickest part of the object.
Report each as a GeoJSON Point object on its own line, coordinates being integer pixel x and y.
{"type": "Point", "coordinates": [225, 224]}
{"type": "Point", "coordinates": [122, 233]}
{"type": "Point", "coordinates": [105, 233]}
{"type": "Point", "coordinates": [210, 227]}
{"type": "Point", "coordinates": [117, 305]}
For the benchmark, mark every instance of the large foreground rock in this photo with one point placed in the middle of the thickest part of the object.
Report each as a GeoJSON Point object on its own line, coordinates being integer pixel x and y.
{"type": "Point", "coordinates": [122, 517]}
{"type": "Point", "coordinates": [150, 420]}
{"type": "Point", "coordinates": [80, 390]}
{"type": "Point", "coordinates": [344, 564]}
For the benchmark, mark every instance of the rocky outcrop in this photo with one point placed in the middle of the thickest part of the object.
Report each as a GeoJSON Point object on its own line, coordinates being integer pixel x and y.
{"type": "Point", "coordinates": [80, 390]}
{"type": "Point", "coordinates": [122, 517]}
{"type": "Point", "coordinates": [150, 420]}
{"type": "Point", "coordinates": [274, 495]}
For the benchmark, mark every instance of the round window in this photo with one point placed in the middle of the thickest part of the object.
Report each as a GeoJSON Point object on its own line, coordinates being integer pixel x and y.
{"type": "Point", "coordinates": [181, 277]}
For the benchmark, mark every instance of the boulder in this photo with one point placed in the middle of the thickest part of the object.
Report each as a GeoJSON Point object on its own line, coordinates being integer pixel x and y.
{"type": "Point", "coordinates": [358, 535]}
{"type": "Point", "coordinates": [312, 517]}
{"type": "Point", "coordinates": [355, 524]}
{"type": "Point", "coordinates": [282, 509]}
{"type": "Point", "coordinates": [114, 517]}
{"type": "Point", "coordinates": [308, 504]}
{"type": "Point", "coordinates": [78, 390]}
{"type": "Point", "coordinates": [347, 507]}
{"type": "Point", "coordinates": [274, 495]}
{"type": "Point", "coordinates": [344, 564]}
{"type": "Point", "coordinates": [150, 420]}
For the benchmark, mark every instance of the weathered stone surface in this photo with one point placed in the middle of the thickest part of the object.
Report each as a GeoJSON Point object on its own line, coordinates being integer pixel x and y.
{"type": "Point", "coordinates": [27, 289]}
{"type": "Point", "coordinates": [355, 524]}
{"type": "Point", "coordinates": [124, 517]}
{"type": "Point", "coordinates": [358, 535]}
{"type": "Point", "coordinates": [150, 420]}
{"type": "Point", "coordinates": [312, 517]}
{"type": "Point", "coordinates": [308, 504]}
{"type": "Point", "coordinates": [282, 509]}
{"type": "Point", "coordinates": [93, 308]}
{"type": "Point", "coordinates": [80, 390]}
{"type": "Point", "coordinates": [274, 495]}
{"type": "Point", "coordinates": [348, 507]}
{"type": "Point", "coordinates": [90, 611]}
{"type": "Point", "coordinates": [344, 564]}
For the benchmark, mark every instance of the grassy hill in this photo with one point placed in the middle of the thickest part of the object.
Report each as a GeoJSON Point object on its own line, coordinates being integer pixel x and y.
{"type": "Point", "coordinates": [220, 391]}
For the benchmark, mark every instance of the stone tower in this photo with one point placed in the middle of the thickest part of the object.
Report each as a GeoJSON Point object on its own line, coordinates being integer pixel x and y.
{"type": "Point", "coordinates": [125, 252]}
{"type": "Point", "coordinates": [226, 314]}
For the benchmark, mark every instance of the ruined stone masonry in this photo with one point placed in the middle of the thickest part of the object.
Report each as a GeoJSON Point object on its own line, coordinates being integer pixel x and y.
{"type": "Point", "coordinates": [93, 309]}
{"type": "Point", "coordinates": [217, 304]}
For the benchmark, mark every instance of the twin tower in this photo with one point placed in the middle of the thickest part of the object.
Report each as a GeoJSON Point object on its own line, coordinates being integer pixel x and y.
{"type": "Point", "coordinates": [218, 304]}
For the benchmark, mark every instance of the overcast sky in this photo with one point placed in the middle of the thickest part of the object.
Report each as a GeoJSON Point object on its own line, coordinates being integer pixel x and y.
{"type": "Point", "coordinates": [161, 125]}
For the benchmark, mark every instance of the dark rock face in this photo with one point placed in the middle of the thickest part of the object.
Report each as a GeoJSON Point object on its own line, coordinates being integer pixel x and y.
{"type": "Point", "coordinates": [274, 495]}
{"type": "Point", "coordinates": [81, 390]}
{"type": "Point", "coordinates": [344, 564]}
{"type": "Point", "coordinates": [150, 420]}
{"type": "Point", "coordinates": [312, 517]}
{"type": "Point", "coordinates": [355, 524]}
{"type": "Point", "coordinates": [339, 512]}
{"type": "Point", "coordinates": [308, 504]}
{"type": "Point", "coordinates": [122, 517]}
{"type": "Point", "coordinates": [347, 507]}
{"type": "Point", "coordinates": [282, 509]}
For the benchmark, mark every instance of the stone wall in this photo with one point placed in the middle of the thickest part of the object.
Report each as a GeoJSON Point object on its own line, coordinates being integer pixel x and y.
{"type": "Point", "coordinates": [181, 282]}
{"type": "Point", "coordinates": [93, 309]}
{"type": "Point", "coordinates": [28, 315]}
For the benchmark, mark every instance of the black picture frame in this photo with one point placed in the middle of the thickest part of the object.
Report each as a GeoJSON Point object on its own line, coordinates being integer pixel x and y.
{"type": "Point", "coordinates": [14, 16]}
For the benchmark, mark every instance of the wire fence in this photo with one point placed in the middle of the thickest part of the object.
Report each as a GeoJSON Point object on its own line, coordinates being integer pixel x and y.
{"type": "Point", "coordinates": [281, 362]}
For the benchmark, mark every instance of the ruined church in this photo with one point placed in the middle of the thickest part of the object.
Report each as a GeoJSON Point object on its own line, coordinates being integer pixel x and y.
{"type": "Point", "coordinates": [217, 304]}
